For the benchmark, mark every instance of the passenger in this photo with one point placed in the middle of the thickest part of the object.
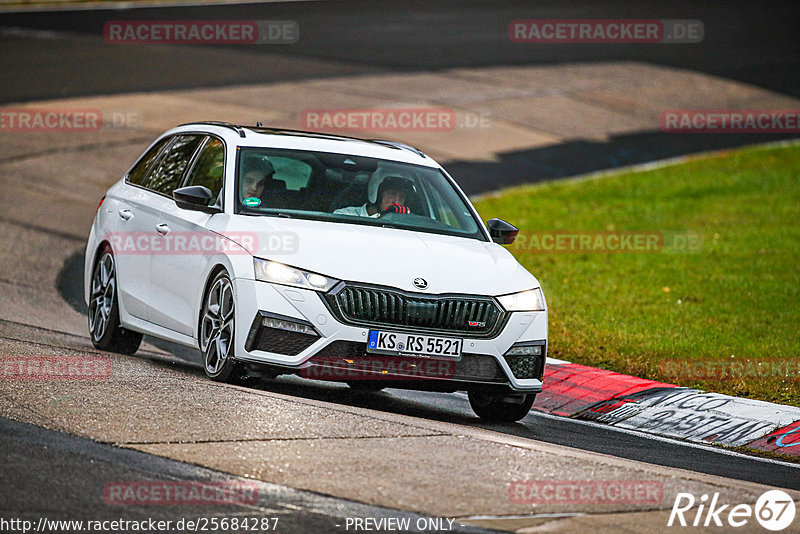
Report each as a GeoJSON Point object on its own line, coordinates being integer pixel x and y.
{"type": "Point", "coordinates": [253, 181]}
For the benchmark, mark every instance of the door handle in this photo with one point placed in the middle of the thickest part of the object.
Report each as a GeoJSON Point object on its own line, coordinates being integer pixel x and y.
{"type": "Point", "coordinates": [125, 214]}
{"type": "Point", "coordinates": [162, 229]}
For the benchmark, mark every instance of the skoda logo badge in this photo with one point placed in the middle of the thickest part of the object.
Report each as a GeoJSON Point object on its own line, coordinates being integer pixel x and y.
{"type": "Point", "coordinates": [420, 283]}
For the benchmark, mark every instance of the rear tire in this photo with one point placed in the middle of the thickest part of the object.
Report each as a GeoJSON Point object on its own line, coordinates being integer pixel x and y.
{"type": "Point", "coordinates": [104, 327]}
{"type": "Point", "coordinates": [505, 407]}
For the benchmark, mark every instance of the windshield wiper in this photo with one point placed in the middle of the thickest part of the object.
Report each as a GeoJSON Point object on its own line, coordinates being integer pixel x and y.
{"type": "Point", "coordinates": [245, 211]}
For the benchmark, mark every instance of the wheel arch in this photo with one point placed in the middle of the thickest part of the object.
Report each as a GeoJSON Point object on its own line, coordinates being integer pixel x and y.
{"type": "Point", "coordinates": [100, 248]}
{"type": "Point", "coordinates": [89, 268]}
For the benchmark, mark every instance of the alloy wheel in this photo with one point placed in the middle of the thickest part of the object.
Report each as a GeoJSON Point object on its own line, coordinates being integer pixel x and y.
{"type": "Point", "coordinates": [217, 327]}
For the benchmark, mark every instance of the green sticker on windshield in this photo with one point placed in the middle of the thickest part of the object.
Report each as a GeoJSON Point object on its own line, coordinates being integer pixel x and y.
{"type": "Point", "coordinates": [251, 202]}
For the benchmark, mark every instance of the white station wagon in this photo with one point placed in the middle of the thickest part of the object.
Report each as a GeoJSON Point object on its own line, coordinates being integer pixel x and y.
{"type": "Point", "coordinates": [278, 251]}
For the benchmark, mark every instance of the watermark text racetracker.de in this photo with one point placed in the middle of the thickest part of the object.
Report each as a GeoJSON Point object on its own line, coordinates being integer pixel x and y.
{"type": "Point", "coordinates": [200, 32]}
{"type": "Point", "coordinates": [401, 119]}
{"type": "Point", "coordinates": [731, 121]}
{"type": "Point", "coordinates": [55, 368]}
{"type": "Point", "coordinates": [66, 120]}
{"type": "Point", "coordinates": [203, 243]}
{"type": "Point", "coordinates": [379, 368]}
{"type": "Point", "coordinates": [586, 492]}
{"type": "Point", "coordinates": [171, 493]}
{"type": "Point", "coordinates": [572, 31]}
{"type": "Point", "coordinates": [607, 242]}
{"type": "Point", "coordinates": [185, 524]}
{"type": "Point", "coordinates": [730, 369]}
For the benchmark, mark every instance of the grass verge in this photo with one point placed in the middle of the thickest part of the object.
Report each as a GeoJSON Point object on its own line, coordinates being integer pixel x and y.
{"type": "Point", "coordinates": [719, 296]}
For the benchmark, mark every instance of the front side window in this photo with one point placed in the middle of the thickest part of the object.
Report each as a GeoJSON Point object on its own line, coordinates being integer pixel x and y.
{"type": "Point", "coordinates": [209, 168]}
{"type": "Point", "coordinates": [351, 189]}
{"type": "Point", "coordinates": [168, 172]}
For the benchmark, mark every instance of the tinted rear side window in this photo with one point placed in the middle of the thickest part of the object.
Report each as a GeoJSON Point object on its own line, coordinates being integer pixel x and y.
{"type": "Point", "coordinates": [139, 171]}
{"type": "Point", "coordinates": [165, 178]}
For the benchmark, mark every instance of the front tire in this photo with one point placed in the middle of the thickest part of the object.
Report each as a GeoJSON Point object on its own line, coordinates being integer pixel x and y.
{"type": "Point", "coordinates": [506, 407]}
{"type": "Point", "coordinates": [217, 329]}
{"type": "Point", "coordinates": [104, 327]}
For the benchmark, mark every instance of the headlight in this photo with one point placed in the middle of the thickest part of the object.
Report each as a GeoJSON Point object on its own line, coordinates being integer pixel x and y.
{"type": "Point", "coordinates": [531, 300]}
{"type": "Point", "coordinates": [278, 273]}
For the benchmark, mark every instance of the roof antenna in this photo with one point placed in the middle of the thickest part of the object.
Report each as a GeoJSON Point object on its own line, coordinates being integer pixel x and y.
{"type": "Point", "coordinates": [259, 125]}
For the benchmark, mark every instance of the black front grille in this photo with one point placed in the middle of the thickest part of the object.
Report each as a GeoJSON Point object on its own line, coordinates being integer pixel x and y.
{"type": "Point", "coordinates": [527, 366]}
{"type": "Point", "coordinates": [370, 306]}
{"type": "Point", "coordinates": [341, 354]}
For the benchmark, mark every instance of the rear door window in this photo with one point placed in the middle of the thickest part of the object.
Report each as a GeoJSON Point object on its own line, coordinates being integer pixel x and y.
{"type": "Point", "coordinates": [169, 170]}
{"type": "Point", "coordinates": [137, 175]}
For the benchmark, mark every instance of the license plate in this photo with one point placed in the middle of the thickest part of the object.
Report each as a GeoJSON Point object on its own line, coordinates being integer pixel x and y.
{"type": "Point", "coordinates": [383, 342]}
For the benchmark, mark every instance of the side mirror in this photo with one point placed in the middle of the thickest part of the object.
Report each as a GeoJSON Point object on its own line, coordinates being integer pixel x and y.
{"type": "Point", "coordinates": [501, 231]}
{"type": "Point", "coordinates": [196, 198]}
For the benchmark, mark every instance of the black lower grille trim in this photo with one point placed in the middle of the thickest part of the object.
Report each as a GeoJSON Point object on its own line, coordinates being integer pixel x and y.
{"type": "Point", "coordinates": [282, 341]}
{"type": "Point", "coordinates": [278, 340]}
{"type": "Point", "coordinates": [476, 367]}
{"type": "Point", "coordinates": [526, 367]}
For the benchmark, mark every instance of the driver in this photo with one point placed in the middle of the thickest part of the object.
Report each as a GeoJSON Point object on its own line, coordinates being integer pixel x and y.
{"type": "Point", "coordinates": [392, 193]}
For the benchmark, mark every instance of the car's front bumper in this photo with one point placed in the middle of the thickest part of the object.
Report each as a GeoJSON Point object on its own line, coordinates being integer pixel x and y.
{"type": "Point", "coordinates": [322, 347]}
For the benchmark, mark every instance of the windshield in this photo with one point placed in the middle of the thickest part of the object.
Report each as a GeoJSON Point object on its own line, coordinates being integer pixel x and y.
{"type": "Point", "coordinates": [350, 189]}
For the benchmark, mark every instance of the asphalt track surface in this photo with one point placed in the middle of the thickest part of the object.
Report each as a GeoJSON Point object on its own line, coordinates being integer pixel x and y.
{"type": "Point", "coordinates": [750, 42]}
{"type": "Point", "coordinates": [76, 470]}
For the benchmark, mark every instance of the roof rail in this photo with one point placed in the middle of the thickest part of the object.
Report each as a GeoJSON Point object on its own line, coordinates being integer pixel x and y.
{"type": "Point", "coordinates": [401, 146]}
{"type": "Point", "coordinates": [323, 135]}
{"type": "Point", "coordinates": [289, 131]}
{"type": "Point", "coordinates": [235, 127]}
{"type": "Point", "coordinates": [286, 131]}
{"type": "Point", "coordinates": [259, 128]}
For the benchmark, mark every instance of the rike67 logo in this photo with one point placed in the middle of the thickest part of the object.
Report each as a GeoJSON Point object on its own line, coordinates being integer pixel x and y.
{"type": "Point", "coordinates": [774, 510]}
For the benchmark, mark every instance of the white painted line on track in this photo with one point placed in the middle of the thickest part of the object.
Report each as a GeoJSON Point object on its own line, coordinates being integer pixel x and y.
{"type": "Point", "coordinates": [535, 516]}
{"type": "Point", "coordinates": [27, 33]}
{"type": "Point", "coordinates": [120, 6]}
